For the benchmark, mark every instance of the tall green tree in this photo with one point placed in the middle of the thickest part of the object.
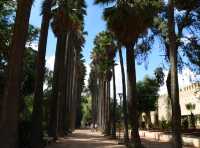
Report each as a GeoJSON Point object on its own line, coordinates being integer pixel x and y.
{"type": "Point", "coordinates": [174, 91]}
{"type": "Point", "coordinates": [118, 17]}
{"type": "Point", "coordinates": [148, 93]}
{"type": "Point", "coordinates": [68, 27]}
{"type": "Point", "coordinates": [9, 121]}
{"type": "Point", "coordinates": [125, 112]}
{"type": "Point", "coordinates": [103, 59]}
{"type": "Point", "coordinates": [37, 118]}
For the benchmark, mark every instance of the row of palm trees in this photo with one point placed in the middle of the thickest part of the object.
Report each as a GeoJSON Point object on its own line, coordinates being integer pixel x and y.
{"type": "Point", "coordinates": [128, 21]}
{"type": "Point", "coordinates": [118, 17]}
{"type": "Point", "coordinates": [100, 77]}
{"type": "Point", "coordinates": [66, 19]}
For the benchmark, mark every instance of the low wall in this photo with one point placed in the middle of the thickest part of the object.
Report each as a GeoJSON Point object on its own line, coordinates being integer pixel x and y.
{"type": "Point", "coordinates": [164, 137]}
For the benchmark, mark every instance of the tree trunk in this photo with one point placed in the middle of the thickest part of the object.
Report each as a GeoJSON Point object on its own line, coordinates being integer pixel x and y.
{"type": "Point", "coordinates": [168, 83]}
{"type": "Point", "coordinates": [125, 112]}
{"type": "Point", "coordinates": [107, 107]}
{"type": "Point", "coordinates": [68, 82]}
{"type": "Point", "coordinates": [132, 97]}
{"type": "Point", "coordinates": [61, 84]}
{"type": "Point", "coordinates": [100, 102]}
{"type": "Point", "coordinates": [176, 112]}
{"type": "Point", "coordinates": [114, 104]}
{"type": "Point", "coordinates": [74, 90]}
{"type": "Point", "coordinates": [52, 129]}
{"type": "Point", "coordinates": [36, 133]}
{"type": "Point", "coordinates": [73, 75]}
{"type": "Point", "coordinates": [10, 112]}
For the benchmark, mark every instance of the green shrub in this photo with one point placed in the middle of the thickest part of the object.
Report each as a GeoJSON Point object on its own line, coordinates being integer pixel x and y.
{"type": "Point", "coordinates": [185, 124]}
{"type": "Point", "coordinates": [165, 125]}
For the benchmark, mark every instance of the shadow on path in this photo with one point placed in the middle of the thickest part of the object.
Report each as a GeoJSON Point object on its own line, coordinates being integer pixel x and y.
{"type": "Point", "coordinates": [85, 139]}
{"type": "Point", "coordinates": [88, 139]}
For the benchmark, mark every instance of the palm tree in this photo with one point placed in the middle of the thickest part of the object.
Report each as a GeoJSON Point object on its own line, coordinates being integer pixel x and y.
{"type": "Point", "coordinates": [114, 104]}
{"type": "Point", "coordinates": [119, 17]}
{"type": "Point", "coordinates": [176, 112]}
{"type": "Point", "coordinates": [183, 22]}
{"type": "Point", "coordinates": [125, 112]}
{"type": "Point", "coordinates": [36, 137]}
{"type": "Point", "coordinates": [67, 22]}
{"type": "Point", "coordinates": [9, 121]}
{"type": "Point", "coordinates": [103, 60]}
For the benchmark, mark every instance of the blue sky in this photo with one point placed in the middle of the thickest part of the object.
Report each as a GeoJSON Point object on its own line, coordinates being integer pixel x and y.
{"type": "Point", "coordinates": [93, 25]}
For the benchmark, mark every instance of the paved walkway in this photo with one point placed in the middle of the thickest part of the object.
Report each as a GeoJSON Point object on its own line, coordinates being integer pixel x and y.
{"type": "Point", "coordinates": [88, 139]}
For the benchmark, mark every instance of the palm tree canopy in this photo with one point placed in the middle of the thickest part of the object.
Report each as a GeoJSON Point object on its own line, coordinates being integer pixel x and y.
{"type": "Point", "coordinates": [68, 15]}
{"type": "Point", "coordinates": [128, 19]}
{"type": "Point", "coordinates": [103, 54]}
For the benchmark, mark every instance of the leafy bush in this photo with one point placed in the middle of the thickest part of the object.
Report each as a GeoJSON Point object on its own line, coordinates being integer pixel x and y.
{"type": "Point", "coordinates": [165, 125]}
{"type": "Point", "coordinates": [185, 124]}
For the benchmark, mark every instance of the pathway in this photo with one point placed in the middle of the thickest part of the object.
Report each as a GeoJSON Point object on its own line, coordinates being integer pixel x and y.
{"type": "Point", "coordinates": [88, 139]}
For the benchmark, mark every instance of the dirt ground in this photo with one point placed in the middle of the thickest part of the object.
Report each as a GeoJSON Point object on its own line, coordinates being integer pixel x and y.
{"type": "Point", "coordinates": [88, 139]}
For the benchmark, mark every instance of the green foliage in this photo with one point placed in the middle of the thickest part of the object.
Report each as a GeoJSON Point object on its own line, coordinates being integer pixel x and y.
{"type": "Point", "coordinates": [25, 122]}
{"type": "Point", "coordinates": [118, 111]}
{"type": "Point", "coordinates": [185, 123]}
{"type": "Point", "coordinates": [33, 34]}
{"type": "Point", "coordinates": [68, 16]}
{"type": "Point", "coordinates": [165, 125]}
{"type": "Point", "coordinates": [159, 75]}
{"type": "Point", "coordinates": [48, 83]}
{"type": "Point", "coordinates": [147, 91]}
{"type": "Point", "coordinates": [7, 8]}
{"type": "Point", "coordinates": [192, 51]}
{"type": "Point", "coordinates": [7, 13]}
{"type": "Point", "coordinates": [103, 54]}
{"type": "Point", "coordinates": [29, 71]}
{"type": "Point", "coordinates": [190, 107]}
{"type": "Point", "coordinates": [26, 112]}
{"type": "Point", "coordinates": [86, 109]}
{"type": "Point", "coordinates": [125, 13]}
{"type": "Point", "coordinates": [187, 33]}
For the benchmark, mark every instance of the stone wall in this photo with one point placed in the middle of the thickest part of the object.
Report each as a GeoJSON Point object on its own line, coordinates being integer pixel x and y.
{"type": "Point", "coordinates": [187, 95]}
{"type": "Point", "coordinates": [164, 108]}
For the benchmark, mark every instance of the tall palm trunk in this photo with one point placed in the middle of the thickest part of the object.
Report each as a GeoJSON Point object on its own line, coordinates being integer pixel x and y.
{"type": "Point", "coordinates": [132, 97]}
{"type": "Point", "coordinates": [104, 106]}
{"type": "Point", "coordinates": [125, 112]}
{"type": "Point", "coordinates": [36, 133]}
{"type": "Point", "coordinates": [67, 84]}
{"type": "Point", "coordinates": [100, 103]}
{"type": "Point", "coordinates": [61, 85]}
{"type": "Point", "coordinates": [114, 104]}
{"type": "Point", "coordinates": [107, 107]}
{"type": "Point", "coordinates": [66, 80]}
{"type": "Point", "coordinates": [72, 88]}
{"type": "Point", "coordinates": [10, 112]}
{"type": "Point", "coordinates": [176, 112]}
{"type": "Point", "coordinates": [101, 97]}
{"type": "Point", "coordinates": [52, 129]}
{"type": "Point", "coordinates": [73, 109]}
{"type": "Point", "coordinates": [70, 83]}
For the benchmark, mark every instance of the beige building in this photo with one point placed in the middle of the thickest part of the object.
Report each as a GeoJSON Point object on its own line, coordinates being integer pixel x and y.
{"type": "Point", "coordinates": [189, 94]}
